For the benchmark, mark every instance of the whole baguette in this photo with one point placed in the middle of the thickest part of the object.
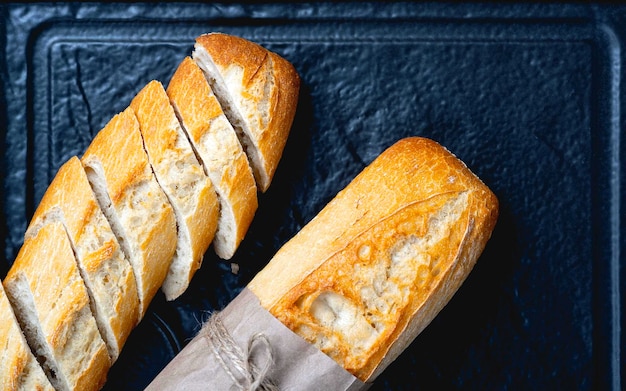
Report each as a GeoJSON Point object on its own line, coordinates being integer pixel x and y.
{"type": "Point", "coordinates": [183, 180]}
{"type": "Point", "coordinates": [19, 370]}
{"type": "Point", "coordinates": [107, 274]}
{"type": "Point", "coordinates": [132, 200]}
{"type": "Point", "coordinates": [258, 91]}
{"type": "Point", "coordinates": [51, 303]}
{"type": "Point", "coordinates": [376, 265]}
{"type": "Point", "coordinates": [223, 159]}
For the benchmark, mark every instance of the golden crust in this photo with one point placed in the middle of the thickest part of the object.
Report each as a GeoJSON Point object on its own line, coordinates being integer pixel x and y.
{"type": "Point", "coordinates": [283, 104]}
{"type": "Point", "coordinates": [268, 95]}
{"type": "Point", "coordinates": [156, 124]}
{"type": "Point", "coordinates": [47, 263]}
{"type": "Point", "coordinates": [227, 50]}
{"type": "Point", "coordinates": [119, 138]}
{"type": "Point", "coordinates": [191, 94]}
{"type": "Point", "coordinates": [353, 256]}
{"type": "Point", "coordinates": [220, 151]}
{"type": "Point", "coordinates": [181, 176]}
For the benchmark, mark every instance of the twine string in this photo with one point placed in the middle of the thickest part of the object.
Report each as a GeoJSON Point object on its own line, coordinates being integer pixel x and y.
{"type": "Point", "coordinates": [239, 365]}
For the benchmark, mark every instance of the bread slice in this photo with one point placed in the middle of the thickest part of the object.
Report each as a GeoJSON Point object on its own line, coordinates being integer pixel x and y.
{"type": "Point", "coordinates": [379, 262]}
{"type": "Point", "coordinates": [258, 91]}
{"type": "Point", "coordinates": [51, 304]}
{"type": "Point", "coordinates": [222, 157]}
{"type": "Point", "coordinates": [19, 370]}
{"type": "Point", "coordinates": [183, 180]}
{"type": "Point", "coordinates": [140, 215]}
{"type": "Point", "coordinates": [107, 274]}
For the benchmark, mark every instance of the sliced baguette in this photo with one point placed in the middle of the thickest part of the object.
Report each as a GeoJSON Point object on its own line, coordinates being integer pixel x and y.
{"type": "Point", "coordinates": [19, 370]}
{"type": "Point", "coordinates": [183, 180]}
{"type": "Point", "coordinates": [140, 215]}
{"type": "Point", "coordinates": [377, 264]}
{"type": "Point", "coordinates": [107, 274]}
{"type": "Point", "coordinates": [51, 304]}
{"type": "Point", "coordinates": [222, 157]}
{"type": "Point", "coordinates": [258, 91]}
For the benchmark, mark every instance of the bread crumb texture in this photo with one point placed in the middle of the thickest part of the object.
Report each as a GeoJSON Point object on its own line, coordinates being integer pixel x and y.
{"type": "Point", "coordinates": [142, 206]}
{"type": "Point", "coordinates": [364, 295]}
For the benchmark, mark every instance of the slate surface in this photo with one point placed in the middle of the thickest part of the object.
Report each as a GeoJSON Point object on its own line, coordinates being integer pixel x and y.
{"type": "Point", "coordinates": [529, 96]}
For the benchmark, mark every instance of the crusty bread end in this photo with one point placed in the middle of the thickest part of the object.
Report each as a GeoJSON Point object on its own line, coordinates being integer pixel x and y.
{"type": "Point", "coordinates": [258, 91]}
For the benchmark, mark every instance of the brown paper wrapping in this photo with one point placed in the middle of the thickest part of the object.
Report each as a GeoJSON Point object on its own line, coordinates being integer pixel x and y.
{"type": "Point", "coordinates": [297, 365]}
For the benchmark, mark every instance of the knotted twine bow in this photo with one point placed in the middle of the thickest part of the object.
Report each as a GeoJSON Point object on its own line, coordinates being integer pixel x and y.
{"type": "Point", "coordinates": [240, 365]}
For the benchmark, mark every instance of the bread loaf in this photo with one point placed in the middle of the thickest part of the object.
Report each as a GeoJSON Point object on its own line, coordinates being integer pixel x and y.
{"type": "Point", "coordinates": [215, 141]}
{"type": "Point", "coordinates": [130, 197]}
{"type": "Point", "coordinates": [136, 213]}
{"type": "Point", "coordinates": [375, 266]}
{"type": "Point", "coordinates": [107, 274]}
{"type": "Point", "coordinates": [51, 303]}
{"type": "Point", "coordinates": [184, 182]}
{"type": "Point", "coordinates": [19, 369]}
{"type": "Point", "coordinates": [257, 90]}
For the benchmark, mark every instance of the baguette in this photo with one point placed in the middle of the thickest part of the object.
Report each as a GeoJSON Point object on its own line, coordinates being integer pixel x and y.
{"type": "Point", "coordinates": [134, 214]}
{"type": "Point", "coordinates": [139, 213]}
{"type": "Point", "coordinates": [51, 304]}
{"type": "Point", "coordinates": [107, 274]}
{"type": "Point", "coordinates": [215, 141]}
{"type": "Point", "coordinates": [184, 182]}
{"type": "Point", "coordinates": [376, 265]}
{"type": "Point", "coordinates": [258, 91]}
{"type": "Point", "coordinates": [19, 370]}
